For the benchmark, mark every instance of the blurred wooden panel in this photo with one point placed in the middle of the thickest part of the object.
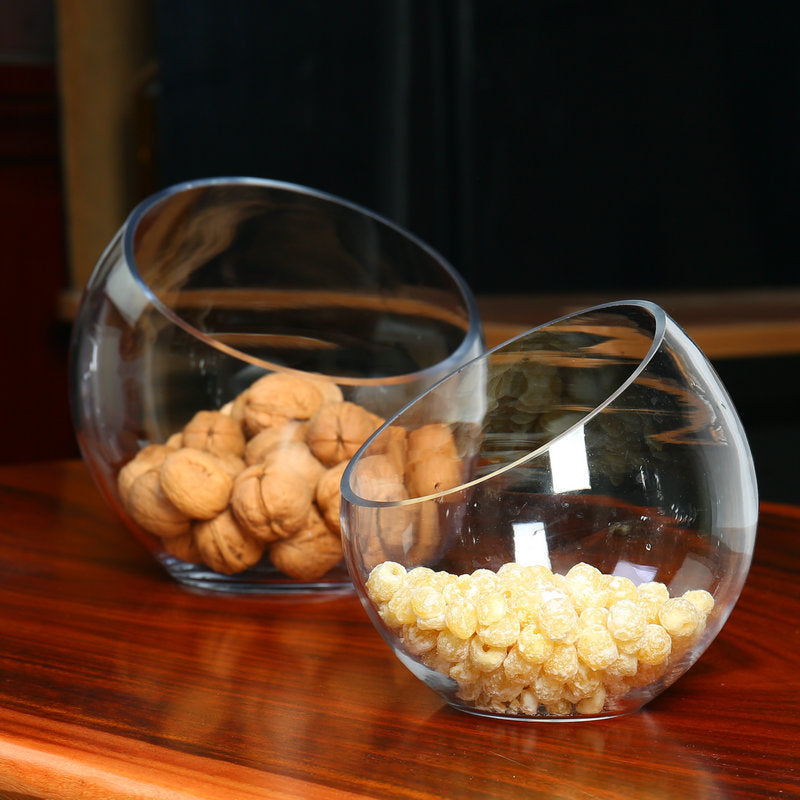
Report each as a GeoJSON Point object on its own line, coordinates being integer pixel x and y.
{"type": "Point", "coordinates": [724, 324]}
{"type": "Point", "coordinates": [104, 56]}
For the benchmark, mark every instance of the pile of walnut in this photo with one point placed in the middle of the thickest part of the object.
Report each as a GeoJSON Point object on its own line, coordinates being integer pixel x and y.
{"type": "Point", "coordinates": [258, 477]}
{"type": "Point", "coordinates": [527, 641]}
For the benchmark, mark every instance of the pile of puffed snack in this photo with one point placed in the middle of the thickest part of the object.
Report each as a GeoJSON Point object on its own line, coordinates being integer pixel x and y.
{"type": "Point", "coordinates": [257, 478]}
{"type": "Point", "coordinates": [526, 641]}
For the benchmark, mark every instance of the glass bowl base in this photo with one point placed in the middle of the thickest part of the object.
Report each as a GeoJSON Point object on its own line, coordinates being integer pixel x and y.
{"type": "Point", "coordinates": [542, 717]}
{"type": "Point", "coordinates": [258, 580]}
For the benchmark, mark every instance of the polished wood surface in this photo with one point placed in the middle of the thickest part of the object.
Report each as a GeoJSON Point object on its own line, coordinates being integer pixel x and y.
{"type": "Point", "coordinates": [117, 683]}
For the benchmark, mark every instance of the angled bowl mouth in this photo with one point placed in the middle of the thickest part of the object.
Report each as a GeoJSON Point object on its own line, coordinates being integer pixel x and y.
{"type": "Point", "coordinates": [623, 346]}
{"type": "Point", "coordinates": [215, 222]}
{"type": "Point", "coordinates": [558, 529]}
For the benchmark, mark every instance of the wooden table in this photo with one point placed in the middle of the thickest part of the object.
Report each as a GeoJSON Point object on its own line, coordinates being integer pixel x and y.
{"type": "Point", "coordinates": [117, 683]}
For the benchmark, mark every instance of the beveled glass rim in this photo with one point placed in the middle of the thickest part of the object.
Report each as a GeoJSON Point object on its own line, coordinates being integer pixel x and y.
{"type": "Point", "coordinates": [472, 334]}
{"type": "Point", "coordinates": [659, 333]}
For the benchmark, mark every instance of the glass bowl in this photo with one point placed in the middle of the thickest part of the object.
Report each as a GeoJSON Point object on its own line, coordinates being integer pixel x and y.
{"type": "Point", "coordinates": [235, 344]}
{"type": "Point", "coordinates": [558, 529]}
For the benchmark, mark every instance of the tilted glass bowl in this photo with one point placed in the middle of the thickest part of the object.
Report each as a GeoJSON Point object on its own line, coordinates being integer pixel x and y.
{"type": "Point", "coordinates": [560, 528]}
{"type": "Point", "coordinates": [269, 328]}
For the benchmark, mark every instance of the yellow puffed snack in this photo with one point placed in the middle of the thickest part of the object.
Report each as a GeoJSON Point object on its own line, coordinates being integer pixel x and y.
{"type": "Point", "coordinates": [461, 617]}
{"type": "Point", "coordinates": [484, 657]}
{"type": "Point", "coordinates": [385, 580]}
{"type": "Point", "coordinates": [679, 617]}
{"type": "Point", "coordinates": [527, 641]}
{"type": "Point", "coordinates": [596, 647]}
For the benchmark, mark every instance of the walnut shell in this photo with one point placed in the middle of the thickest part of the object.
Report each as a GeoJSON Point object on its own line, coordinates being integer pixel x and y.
{"type": "Point", "coordinates": [277, 398]}
{"type": "Point", "coordinates": [183, 547]}
{"type": "Point", "coordinates": [310, 553]}
{"type": "Point", "coordinates": [152, 510]}
{"type": "Point", "coordinates": [150, 457]}
{"type": "Point", "coordinates": [372, 552]}
{"type": "Point", "coordinates": [423, 542]}
{"type": "Point", "coordinates": [232, 464]}
{"type": "Point", "coordinates": [235, 408]}
{"type": "Point", "coordinates": [196, 482]}
{"type": "Point", "coordinates": [330, 391]}
{"type": "Point", "coordinates": [437, 472]}
{"type": "Point", "coordinates": [393, 442]}
{"type": "Point", "coordinates": [214, 431]}
{"type": "Point", "coordinates": [376, 478]}
{"type": "Point", "coordinates": [263, 441]}
{"type": "Point", "coordinates": [175, 441]}
{"type": "Point", "coordinates": [271, 502]}
{"type": "Point", "coordinates": [225, 546]}
{"type": "Point", "coordinates": [329, 497]}
{"type": "Point", "coordinates": [433, 438]}
{"type": "Point", "coordinates": [432, 462]}
{"type": "Point", "coordinates": [296, 456]}
{"type": "Point", "coordinates": [338, 429]}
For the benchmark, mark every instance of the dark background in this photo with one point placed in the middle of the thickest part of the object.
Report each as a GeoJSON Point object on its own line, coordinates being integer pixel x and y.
{"type": "Point", "coordinates": [541, 146]}
{"type": "Point", "coordinates": [621, 147]}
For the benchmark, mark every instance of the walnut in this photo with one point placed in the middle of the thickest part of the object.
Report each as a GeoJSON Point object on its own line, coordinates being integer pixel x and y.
{"type": "Point", "coordinates": [232, 464]}
{"type": "Point", "coordinates": [277, 398]}
{"type": "Point", "coordinates": [376, 478]}
{"type": "Point", "coordinates": [150, 457]}
{"type": "Point", "coordinates": [196, 482]}
{"type": "Point", "coordinates": [329, 498]}
{"type": "Point", "coordinates": [183, 547]}
{"type": "Point", "coordinates": [271, 502]}
{"type": "Point", "coordinates": [296, 456]}
{"type": "Point", "coordinates": [425, 537]}
{"type": "Point", "coordinates": [393, 442]}
{"type": "Point", "coordinates": [225, 546]}
{"type": "Point", "coordinates": [372, 551]}
{"type": "Point", "coordinates": [338, 429]}
{"type": "Point", "coordinates": [235, 408]}
{"type": "Point", "coordinates": [436, 473]}
{"type": "Point", "coordinates": [432, 463]}
{"type": "Point", "coordinates": [330, 391]}
{"type": "Point", "coordinates": [214, 431]}
{"type": "Point", "coordinates": [152, 510]}
{"type": "Point", "coordinates": [433, 438]}
{"type": "Point", "coordinates": [257, 447]}
{"type": "Point", "coordinates": [310, 553]}
{"type": "Point", "coordinates": [175, 441]}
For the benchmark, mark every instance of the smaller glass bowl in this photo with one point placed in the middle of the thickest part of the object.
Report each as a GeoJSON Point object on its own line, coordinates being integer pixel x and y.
{"type": "Point", "coordinates": [235, 344]}
{"type": "Point", "coordinates": [560, 528]}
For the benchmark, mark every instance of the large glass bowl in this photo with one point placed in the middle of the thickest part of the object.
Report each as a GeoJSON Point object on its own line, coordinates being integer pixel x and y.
{"type": "Point", "coordinates": [236, 343]}
{"type": "Point", "coordinates": [560, 528]}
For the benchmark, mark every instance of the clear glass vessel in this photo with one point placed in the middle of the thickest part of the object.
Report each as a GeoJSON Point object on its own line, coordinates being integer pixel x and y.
{"type": "Point", "coordinates": [558, 529]}
{"type": "Point", "coordinates": [210, 287]}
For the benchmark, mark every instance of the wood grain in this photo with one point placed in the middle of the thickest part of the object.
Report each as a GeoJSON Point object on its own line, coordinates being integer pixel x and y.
{"type": "Point", "coordinates": [732, 323]}
{"type": "Point", "coordinates": [117, 683]}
